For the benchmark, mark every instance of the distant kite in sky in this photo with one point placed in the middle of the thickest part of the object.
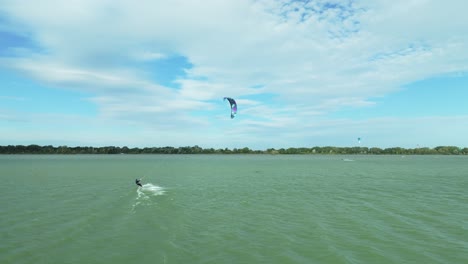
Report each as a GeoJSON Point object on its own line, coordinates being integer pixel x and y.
{"type": "Point", "coordinates": [233, 104]}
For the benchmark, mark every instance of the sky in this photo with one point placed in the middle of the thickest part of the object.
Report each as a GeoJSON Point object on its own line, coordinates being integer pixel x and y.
{"type": "Point", "coordinates": [304, 73]}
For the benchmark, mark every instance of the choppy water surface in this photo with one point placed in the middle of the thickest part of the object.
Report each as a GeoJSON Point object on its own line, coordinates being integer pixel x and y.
{"type": "Point", "coordinates": [233, 209]}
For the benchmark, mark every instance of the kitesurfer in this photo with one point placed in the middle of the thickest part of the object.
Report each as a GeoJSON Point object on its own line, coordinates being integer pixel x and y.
{"type": "Point", "coordinates": [138, 182]}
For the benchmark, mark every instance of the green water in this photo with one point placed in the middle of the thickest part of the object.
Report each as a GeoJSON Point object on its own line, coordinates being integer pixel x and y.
{"type": "Point", "coordinates": [233, 209]}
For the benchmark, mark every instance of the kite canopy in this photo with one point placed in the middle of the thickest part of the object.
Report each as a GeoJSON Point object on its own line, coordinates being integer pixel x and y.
{"type": "Point", "coordinates": [233, 104]}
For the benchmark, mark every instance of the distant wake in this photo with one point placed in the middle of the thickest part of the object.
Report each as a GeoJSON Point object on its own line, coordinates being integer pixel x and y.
{"type": "Point", "coordinates": [145, 193]}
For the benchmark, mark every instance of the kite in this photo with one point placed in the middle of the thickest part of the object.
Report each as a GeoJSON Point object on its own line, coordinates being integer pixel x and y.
{"type": "Point", "coordinates": [233, 104]}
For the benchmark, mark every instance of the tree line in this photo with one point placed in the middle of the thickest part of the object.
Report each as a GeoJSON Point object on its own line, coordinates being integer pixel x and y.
{"type": "Point", "coordinates": [36, 149]}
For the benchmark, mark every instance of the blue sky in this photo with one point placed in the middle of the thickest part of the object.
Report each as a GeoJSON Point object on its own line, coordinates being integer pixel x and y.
{"type": "Point", "coordinates": [304, 73]}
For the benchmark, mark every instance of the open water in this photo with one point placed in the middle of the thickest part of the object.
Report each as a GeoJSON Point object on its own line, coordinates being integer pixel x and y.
{"type": "Point", "coordinates": [233, 209]}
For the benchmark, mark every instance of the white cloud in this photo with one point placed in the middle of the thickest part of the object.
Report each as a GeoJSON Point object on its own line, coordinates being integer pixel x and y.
{"type": "Point", "coordinates": [261, 42]}
{"type": "Point", "coordinates": [149, 56]}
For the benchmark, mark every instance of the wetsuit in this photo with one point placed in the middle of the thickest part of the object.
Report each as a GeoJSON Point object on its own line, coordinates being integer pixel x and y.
{"type": "Point", "coordinates": [137, 182]}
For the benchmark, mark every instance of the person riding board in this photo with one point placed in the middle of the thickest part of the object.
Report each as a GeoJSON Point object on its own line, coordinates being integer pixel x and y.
{"type": "Point", "coordinates": [138, 182]}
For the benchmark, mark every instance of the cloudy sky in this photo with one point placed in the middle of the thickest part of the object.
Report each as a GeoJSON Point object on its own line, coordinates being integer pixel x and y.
{"type": "Point", "coordinates": [304, 73]}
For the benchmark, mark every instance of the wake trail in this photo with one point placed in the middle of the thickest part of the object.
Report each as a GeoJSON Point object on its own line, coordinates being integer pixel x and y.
{"type": "Point", "coordinates": [145, 194]}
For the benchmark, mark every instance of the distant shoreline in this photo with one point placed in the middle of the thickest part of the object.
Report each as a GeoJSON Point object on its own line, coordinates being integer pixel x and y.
{"type": "Point", "coordinates": [328, 150]}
